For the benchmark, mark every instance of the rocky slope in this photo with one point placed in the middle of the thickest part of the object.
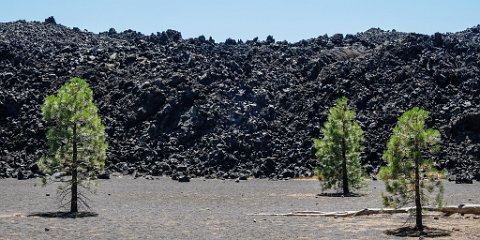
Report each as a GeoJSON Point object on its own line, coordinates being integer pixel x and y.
{"type": "Point", "coordinates": [237, 108]}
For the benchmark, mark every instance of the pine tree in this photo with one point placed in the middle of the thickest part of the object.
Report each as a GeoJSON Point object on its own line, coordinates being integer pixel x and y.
{"type": "Point", "coordinates": [339, 150]}
{"type": "Point", "coordinates": [409, 171]}
{"type": "Point", "coordinates": [76, 140]}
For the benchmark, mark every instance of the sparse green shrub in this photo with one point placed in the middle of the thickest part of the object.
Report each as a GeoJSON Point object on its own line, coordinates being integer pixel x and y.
{"type": "Point", "coordinates": [339, 150]}
{"type": "Point", "coordinates": [76, 140]}
{"type": "Point", "coordinates": [409, 172]}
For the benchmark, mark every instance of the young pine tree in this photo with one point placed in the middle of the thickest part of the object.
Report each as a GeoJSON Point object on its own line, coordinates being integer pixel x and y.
{"type": "Point", "coordinates": [76, 139]}
{"type": "Point", "coordinates": [409, 172]}
{"type": "Point", "coordinates": [339, 150]}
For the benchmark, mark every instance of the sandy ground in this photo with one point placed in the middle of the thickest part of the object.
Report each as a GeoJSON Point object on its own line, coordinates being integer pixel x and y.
{"type": "Point", "coordinates": [213, 209]}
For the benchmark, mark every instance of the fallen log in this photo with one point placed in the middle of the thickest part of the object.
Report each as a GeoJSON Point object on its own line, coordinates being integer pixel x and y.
{"type": "Point", "coordinates": [448, 210]}
{"type": "Point", "coordinates": [461, 209]}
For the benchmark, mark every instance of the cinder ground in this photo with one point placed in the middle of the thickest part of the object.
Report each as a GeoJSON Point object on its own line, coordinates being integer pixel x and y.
{"type": "Point", "coordinates": [213, 209]}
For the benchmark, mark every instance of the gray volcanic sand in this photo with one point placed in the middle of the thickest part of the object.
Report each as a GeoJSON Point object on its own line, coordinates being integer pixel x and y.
{"type": "Point", "coordinates": [214, 209]}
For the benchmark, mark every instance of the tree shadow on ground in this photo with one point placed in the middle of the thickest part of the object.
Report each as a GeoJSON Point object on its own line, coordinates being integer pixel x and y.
{"type": "Point", "coordinates": [413, 232]}
{"type": "Point", "coordinates": [63, 214]}
{"type": "Point", "coordinates": [341, 195]}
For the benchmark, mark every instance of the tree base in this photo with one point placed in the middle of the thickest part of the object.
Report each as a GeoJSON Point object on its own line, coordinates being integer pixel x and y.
{"type": "Point", "coordinates": [63, 214]}
{"type": "Point", "coordinates": [414, 232]}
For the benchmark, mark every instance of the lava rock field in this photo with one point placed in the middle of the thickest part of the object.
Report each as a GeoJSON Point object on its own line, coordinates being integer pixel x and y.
{"type": "Point", "coordinates": [236, 109]}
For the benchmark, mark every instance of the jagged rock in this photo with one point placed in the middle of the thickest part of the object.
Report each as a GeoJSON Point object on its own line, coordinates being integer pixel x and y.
{"type": "Point", "coordinates": [50, 20]}
{"type": "Point", "coordinates": [182, 168]}
{"type": "Point", "coordinates": [103, 175]}
{"type": "Point", "coordinates": [463, 181]}
{"type": "Point", "coordinates": [184, 178]}
{"type": "Point", "coordinates": [243, 177]}
{"type": "Point", "coordinates": [21, 175]}
{"type": "Point", "coordinates": [287, 173]}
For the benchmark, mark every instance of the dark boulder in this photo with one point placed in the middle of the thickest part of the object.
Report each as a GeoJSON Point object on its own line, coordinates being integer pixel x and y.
{"type": "Point", "coordinates": [103, 175]}
{"type": "Point", "coordinates": [184, 178]}
{"type": "Point", "coordinates": [50, 20]}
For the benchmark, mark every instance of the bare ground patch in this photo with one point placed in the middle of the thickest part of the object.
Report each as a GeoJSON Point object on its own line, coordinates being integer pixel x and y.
{"type": "Point", "coordinates": [214, 209]}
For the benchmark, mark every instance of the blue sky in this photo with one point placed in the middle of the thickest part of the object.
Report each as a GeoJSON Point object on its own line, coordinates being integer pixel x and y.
{"type": "Point", "coordinates": [289, 20]}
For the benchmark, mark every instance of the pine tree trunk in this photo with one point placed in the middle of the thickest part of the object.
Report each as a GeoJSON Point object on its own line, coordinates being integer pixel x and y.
{"type": "Point", "coordinates": [73, 202]}
{"type": "Point", "coordinates": [418, 202]}
{"type": "Point", "coordinates": [346, 190]}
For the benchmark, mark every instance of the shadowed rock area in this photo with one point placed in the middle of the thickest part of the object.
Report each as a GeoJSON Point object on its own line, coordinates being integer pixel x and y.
{"type": "Point", "coordinates": [175, 106]}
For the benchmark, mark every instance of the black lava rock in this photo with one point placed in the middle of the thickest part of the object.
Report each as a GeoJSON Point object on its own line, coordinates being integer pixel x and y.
{"type": "Point", "coordinates": [103, 175]}
{"type": "Point", "coordinates": [184, 178]}
{"type": "Point", "coordinates": [50, 20]}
